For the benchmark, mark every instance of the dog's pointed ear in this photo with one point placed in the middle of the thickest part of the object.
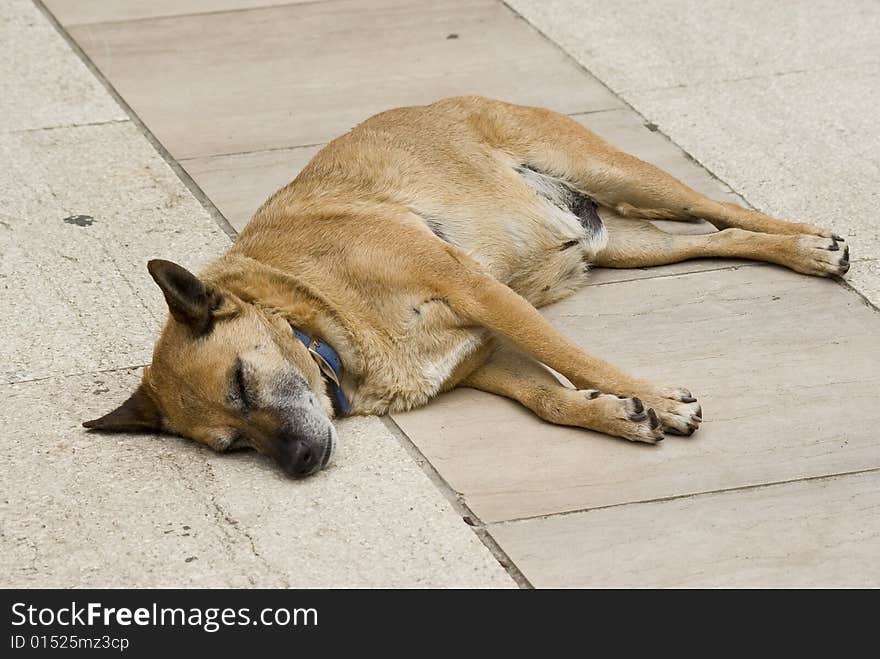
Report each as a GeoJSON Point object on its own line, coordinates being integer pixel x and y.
{"type": "Point", "coordinates": [138, 414]}
{"type": "Point", "coordinates": [189, 300]}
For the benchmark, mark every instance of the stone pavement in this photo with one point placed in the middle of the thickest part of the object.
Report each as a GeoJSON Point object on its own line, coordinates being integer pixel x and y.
{"type": "Point", "coordinates": [86, 200]}
{"type": "Point", "coordinates": [780, 487]}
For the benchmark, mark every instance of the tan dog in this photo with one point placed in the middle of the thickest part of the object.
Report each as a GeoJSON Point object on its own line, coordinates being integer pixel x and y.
{"type": "Point", "coordinates": [415, 249]}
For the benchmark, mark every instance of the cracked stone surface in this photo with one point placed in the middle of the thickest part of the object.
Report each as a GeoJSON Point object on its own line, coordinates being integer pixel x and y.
{"type": "Point", "coordinates": [84, 201]}
{"type": "Point", "coordinates": [89, 510]}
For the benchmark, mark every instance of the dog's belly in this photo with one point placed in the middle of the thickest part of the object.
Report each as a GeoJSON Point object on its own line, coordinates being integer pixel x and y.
{"type": "Point", "coordinates": [540, 242]}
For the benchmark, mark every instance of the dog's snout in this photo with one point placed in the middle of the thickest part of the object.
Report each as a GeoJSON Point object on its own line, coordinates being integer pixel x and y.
{"type": "Point", "coordinates": [300, 457]}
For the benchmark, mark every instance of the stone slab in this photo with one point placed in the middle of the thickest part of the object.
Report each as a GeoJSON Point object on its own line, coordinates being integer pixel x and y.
{"type": "Point", "coordinates": [821, 533]}
{"type": "Point", "coordinates": [296, 75]}
{"type": "Point", "coordinates": [648, 45]}
{"type": "Point", "coordinates": [786, 368]}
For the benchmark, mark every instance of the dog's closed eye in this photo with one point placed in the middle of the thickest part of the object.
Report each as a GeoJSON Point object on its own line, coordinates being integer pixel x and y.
{"type": "Point", "coordinates": [239, 387]}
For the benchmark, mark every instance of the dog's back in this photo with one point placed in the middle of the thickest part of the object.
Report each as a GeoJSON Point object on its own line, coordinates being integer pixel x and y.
{"type": "Point", "coordinates": [441, 166]}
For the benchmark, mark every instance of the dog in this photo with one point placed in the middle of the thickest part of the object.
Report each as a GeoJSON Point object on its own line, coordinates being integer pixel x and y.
{"type": "Point", "coordinates": [408, 258]}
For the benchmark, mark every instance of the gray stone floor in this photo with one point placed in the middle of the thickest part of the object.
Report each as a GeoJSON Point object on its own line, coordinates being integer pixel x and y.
{"type": "Point", "coordinates": [85, 200]}
{"type": "Point", "coordinates": [778, 488]}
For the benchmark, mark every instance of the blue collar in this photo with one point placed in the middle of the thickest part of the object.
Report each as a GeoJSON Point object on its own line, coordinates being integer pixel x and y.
{"type": "Point", "coordinates": [331, 367]}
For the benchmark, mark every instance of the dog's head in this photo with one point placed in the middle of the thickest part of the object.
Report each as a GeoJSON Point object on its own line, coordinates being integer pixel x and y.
{"type": "Point", "coordinates": [230, 375]}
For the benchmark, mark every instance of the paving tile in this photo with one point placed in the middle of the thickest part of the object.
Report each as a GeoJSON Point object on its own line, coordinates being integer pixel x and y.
{"type": "Point", "coordinates": [89, 510]}
{"type": "Point", "coordinates": [239, 184]}
{"type": "Point", "coordinates": [81, 211]}
{"type": "Point", "coordinates": [42, 83]}
{"type": "Point", "coordinates": [816, 533]}
{"type": "Point", "coordinates": [642, 45]}
{"type": "Point", "coordinates": [77, 12]}
{"type": "Point", "coordinates": [296, 75]}
{"type": "Point", "coordinates": [785, 366]}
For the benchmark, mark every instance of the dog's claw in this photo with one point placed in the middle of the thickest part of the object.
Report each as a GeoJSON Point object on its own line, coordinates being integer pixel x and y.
{"type": "Point", "coordinates": [655, 420]}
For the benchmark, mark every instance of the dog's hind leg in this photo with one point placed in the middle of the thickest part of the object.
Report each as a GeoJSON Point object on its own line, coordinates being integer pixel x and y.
{"type": "Point", "coordinates": [558, 145]}
{"type": "Point", "coordinates": [633, 244]}
{"type": "Point", "coordinates": [517, 376]}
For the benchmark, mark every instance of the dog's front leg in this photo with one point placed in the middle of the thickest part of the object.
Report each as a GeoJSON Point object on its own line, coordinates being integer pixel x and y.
{"type": "Point", "coordinates": [515, 375]}
{"type": "Point", "coordinates": [485, 301]}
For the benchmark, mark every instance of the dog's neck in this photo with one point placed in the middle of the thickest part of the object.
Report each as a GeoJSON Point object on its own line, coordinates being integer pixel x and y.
{"type": "Point", "coordinates": [300, 304]}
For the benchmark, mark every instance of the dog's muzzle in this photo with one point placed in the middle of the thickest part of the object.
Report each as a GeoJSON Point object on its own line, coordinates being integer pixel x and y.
{"type": "Point", "coordinates": [300, 455]}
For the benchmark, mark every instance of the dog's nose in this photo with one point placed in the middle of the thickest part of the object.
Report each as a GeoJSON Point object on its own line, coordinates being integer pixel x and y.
{"type": "Point", "coordinates": [300, 458]}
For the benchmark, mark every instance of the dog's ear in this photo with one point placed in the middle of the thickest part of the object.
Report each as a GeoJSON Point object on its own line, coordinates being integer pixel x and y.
{"type": "Point", "coordinates": [138, 414]}
{"type": "Point", "coordinates": [190, 301]}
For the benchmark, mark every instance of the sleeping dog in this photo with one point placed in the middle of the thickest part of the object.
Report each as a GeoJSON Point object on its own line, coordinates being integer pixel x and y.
{"type": "Point", "coordinates": [408, 258]}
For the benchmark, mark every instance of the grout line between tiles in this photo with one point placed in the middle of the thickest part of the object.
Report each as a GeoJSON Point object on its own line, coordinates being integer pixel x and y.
{"type": "Point", "coordinates": [294, 147]}
{"type": "Point", "coordinates": [188, 181]}
{"type": "Point", "coordinates": [691, 495]}
{"type": "Point", "coordinates": [677, 274]}
{"type": "Point", "coordinates": [457, 501]}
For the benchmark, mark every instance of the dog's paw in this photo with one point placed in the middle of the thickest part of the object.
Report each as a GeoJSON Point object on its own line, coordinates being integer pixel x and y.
{"type": "Point", "coordinates": [820, 256]}
{"type": "Point", "coordinates": [680, 413]}
{"type": "Point", "coordinates": [627, 417]}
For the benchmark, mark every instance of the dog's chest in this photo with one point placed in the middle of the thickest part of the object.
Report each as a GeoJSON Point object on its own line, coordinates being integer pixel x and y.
{"type": "Point", "coordinates": [412, 367]}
